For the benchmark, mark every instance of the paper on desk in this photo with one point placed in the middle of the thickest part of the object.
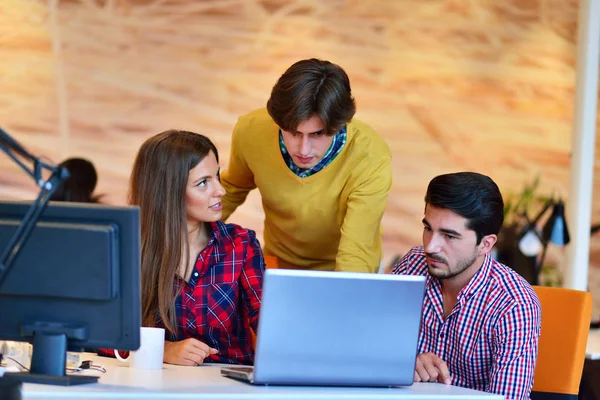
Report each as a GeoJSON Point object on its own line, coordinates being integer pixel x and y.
{"type": "Point", "coordinates": [9, 368]}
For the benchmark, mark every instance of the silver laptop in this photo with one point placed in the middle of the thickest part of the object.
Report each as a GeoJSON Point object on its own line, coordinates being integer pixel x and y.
{"type": "Point", "coordinates": [336, 329]}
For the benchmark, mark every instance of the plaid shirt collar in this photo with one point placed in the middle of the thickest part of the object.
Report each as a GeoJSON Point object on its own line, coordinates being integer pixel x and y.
{"type": "Point", "coordinates": [217, 230]}
{"type": "Point", "coordinates": [337, 144]}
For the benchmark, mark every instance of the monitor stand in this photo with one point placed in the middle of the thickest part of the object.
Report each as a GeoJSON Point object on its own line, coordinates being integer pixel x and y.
{"type": "Point", "coordinates": [48, 363]}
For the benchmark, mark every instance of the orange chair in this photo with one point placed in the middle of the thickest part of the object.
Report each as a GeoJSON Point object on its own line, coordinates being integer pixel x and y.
{"type": "Point", "coordinates": [566, 316]}
{"type": "Point", "coordinates": [271, 262]}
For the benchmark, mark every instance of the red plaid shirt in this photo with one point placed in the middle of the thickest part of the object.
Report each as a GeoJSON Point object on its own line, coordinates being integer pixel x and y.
{"type": "Point", "coordinates": [220, 303]}
{"type": "Point", "coordinates": [490, 338]}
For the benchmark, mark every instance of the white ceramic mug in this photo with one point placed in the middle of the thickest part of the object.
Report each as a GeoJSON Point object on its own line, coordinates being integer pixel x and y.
{"type": "Point", "coordinates": [151, 351]}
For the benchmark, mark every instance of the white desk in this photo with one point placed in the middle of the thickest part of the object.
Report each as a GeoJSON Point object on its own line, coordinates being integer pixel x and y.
{"type": "Point", "coordinates": [206, 382]}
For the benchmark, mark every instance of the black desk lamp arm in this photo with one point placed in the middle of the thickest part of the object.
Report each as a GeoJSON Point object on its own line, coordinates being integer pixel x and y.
{"type": "Point", "coordinates": [59, 174]}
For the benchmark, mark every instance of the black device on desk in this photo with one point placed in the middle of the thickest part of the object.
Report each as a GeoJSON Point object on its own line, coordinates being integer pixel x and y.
{"type": "Point", "coordinates": [75, 283]}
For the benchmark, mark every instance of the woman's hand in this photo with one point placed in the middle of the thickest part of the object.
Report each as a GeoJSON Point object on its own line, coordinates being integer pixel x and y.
{"type": "Point", "coordinates": [187, 352]}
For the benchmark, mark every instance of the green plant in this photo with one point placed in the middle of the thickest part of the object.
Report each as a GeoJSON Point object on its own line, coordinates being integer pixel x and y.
{"type": "Point", "coordinates": [517, 206]}
{"type": "Point", "coordinates": [520, 209]}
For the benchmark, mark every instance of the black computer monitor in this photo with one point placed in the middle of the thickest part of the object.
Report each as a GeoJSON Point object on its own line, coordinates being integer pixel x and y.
{"type": "Point", "coordinates": [75, 284]}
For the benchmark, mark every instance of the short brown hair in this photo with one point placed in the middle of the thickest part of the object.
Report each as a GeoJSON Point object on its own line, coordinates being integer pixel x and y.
{"type": "Point", "coordinates": [312, 87]}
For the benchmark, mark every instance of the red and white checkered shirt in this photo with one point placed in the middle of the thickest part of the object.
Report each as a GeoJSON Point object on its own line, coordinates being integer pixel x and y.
{"type": "Point", "coordinates": [490, 338]}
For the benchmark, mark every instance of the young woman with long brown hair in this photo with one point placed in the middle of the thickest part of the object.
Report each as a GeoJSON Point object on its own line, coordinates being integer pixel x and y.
{"type": "Point", "coordinates": [201, 278]}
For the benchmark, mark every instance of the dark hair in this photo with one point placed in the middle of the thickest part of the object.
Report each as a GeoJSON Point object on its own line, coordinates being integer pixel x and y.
{"type": "Point", "coordinates": [158, 185]}
{"type": "Point", "coordinates": [80, 184]}
{"type": "Point", "coordinates": [471, 195]}
{"type": "Point", "coordinates": [312, 87]}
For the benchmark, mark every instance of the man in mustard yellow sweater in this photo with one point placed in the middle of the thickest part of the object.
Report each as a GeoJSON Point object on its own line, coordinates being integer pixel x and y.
{"type": "Point", "coordinates": [324, 177]}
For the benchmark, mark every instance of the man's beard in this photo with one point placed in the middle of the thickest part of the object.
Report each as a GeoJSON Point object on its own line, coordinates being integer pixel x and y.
{"type": "Point", "coordinates": [451, 272]}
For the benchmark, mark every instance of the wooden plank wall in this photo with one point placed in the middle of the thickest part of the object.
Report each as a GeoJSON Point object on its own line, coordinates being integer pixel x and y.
{"type": "Point", "coordinates": [452, 85]}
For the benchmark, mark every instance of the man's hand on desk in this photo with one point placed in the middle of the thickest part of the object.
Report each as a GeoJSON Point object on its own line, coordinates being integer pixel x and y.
{"type": "Point", "coordinates": [190, 352]}
{"type": "Point", "coordinates": [431, 368]}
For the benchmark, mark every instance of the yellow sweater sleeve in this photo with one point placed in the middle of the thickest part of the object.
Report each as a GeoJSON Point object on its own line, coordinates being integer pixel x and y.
{"type": "Point", "coordinates": [360, 242]}
{"type": "Point", "coordinates": [237, 179]}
